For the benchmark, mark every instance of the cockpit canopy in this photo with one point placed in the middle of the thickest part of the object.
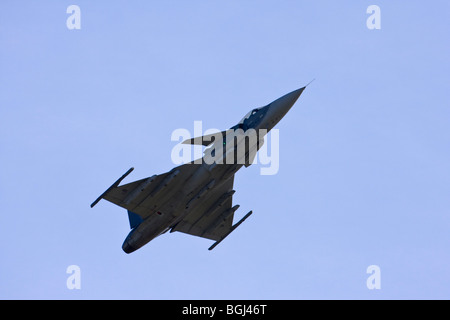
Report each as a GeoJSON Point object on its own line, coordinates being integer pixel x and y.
{"type": "Point", "coordinates": [248, 115]}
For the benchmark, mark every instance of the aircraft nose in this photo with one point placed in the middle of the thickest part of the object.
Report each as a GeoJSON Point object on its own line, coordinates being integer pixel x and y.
{"type": "Point", "coordinates": [285, 103]}
{"type": "Point", "coordinates": [281, 106]}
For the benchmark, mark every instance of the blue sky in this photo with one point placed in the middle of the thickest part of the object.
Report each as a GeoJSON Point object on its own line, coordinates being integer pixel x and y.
{"type": "Point", "coordinates": [364, 176]}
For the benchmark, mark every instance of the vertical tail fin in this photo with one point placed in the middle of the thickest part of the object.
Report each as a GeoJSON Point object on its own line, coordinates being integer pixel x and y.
{"type": "Point", "coordinates": [135, 219]}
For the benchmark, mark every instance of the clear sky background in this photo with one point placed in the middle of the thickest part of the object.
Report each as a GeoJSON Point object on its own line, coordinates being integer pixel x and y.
{"type": "Point", "coordinates": [364, 175]}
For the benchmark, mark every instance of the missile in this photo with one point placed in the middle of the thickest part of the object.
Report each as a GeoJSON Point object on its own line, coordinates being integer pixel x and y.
{"type": "Point", "coordinates": [212, 209]}
{"type": "Point", "coordinates": [201, 193]}
{"type": "Point", "coordinates": [219, 203]}
{"type": "Point", "coordinates": [221, 219]}
{"type": "Point", "coordinates": [164, 183]}
{"type": "Point", "coordinates": [114, 185]}
{"type": "Point", "coordinates": [138, 190]}
{"type": "Point", "coordinates": [231, 230]}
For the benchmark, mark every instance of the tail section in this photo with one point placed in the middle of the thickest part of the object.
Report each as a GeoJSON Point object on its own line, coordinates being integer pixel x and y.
{"type": "Point", "coordinates": [134, 219]}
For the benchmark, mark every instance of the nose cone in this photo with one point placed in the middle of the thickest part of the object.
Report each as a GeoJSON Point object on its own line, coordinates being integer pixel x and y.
{"type": "Point", "coordinates": [288, 100]}
{"type": "Point", "coordinates": [279, 108]}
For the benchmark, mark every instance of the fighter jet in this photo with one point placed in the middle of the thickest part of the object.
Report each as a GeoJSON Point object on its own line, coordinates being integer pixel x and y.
{"type": "Point", "coordinates": [196, 197]}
